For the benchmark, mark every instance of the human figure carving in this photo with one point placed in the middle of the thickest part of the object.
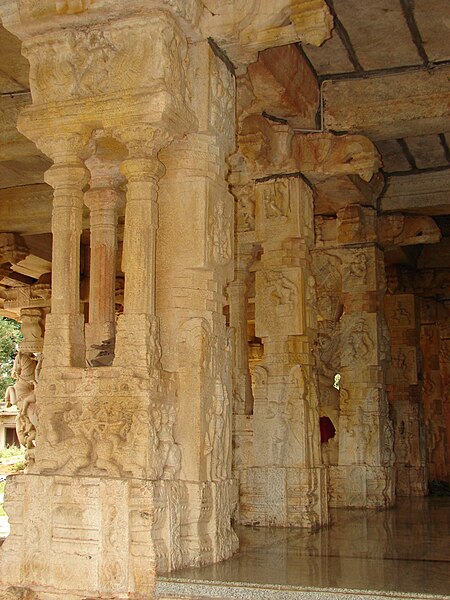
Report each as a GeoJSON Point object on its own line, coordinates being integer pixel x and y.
{"type": "Point", "coordinates": [401, 315]}
{"type": "Point", "coordinates": [273, 204]}
{"type": "Point", "coordinates": [283, 293]}
{"type": "Point", "coordinates": [170, 453]}
{"type": "Point", "coordinates": [359, 342]}
{"type": "Point", "coordinates": [25, 369]}
{"type": "Point", "coordinates": [216, 445]}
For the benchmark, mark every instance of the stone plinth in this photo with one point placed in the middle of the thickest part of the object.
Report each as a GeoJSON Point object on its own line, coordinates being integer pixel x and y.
{"type": "Point", "coordinates": [73, 537]}
{"type": "Point", "coordinates": [283, 497]}
{"type": "Point", "coordinates": [361, 486]}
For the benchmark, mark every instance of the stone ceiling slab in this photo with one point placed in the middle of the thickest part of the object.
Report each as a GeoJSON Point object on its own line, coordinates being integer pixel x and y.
{"type": "Point", "coordinates": [14, 68]}
{"type": "Point", "coordinates": [26, 171]}
{"type": "Point", "coordinates": [379, 32]}
{"type": "Point", "coordinates": [427, 150]}
{"type": "Point", "coordinates": [330, 57]}
{"type": "Point", "coordinates": [433, 20]}
{"type": "Point", "coordinates": [392, 156]}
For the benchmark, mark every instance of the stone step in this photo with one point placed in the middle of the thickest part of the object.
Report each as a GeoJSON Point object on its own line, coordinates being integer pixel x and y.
{"type": "Point", "coordinates": [181, 589]}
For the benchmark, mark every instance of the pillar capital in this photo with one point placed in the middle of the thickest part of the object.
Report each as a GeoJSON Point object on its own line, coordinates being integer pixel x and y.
{"type": "Point", "coordinates": [69, 175]}
{"type": "Point", "coordinates": [103, 199]}
{"type": "Point", "coordinates": [104, 173]}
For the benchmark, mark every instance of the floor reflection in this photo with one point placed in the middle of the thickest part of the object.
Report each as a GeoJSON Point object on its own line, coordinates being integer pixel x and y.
{"type": "Point", "coordinates": [404, 549]}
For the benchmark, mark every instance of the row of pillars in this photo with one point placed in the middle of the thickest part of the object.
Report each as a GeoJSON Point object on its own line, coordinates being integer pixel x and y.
{"type": "Point", "coordinates": [68, 177]}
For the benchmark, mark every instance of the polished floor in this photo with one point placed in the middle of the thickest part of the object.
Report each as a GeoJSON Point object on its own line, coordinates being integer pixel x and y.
{"type": "Point", "coordinates": [403, 552]}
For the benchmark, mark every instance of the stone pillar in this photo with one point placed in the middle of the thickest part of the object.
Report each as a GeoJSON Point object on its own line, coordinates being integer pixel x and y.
{"type": "Point", "coordinates": [404, 395]}
{"type": "Point", "coordinates": [238, 298]}
{"type": "Point", "coordinates": [102, 503]}
{"type": "Point", "coordinates": [242, 318]}
{"type": "Point", "coordinates": [103, 199]}
{"type": "Point", "coordinates": [432, 398]}
{"type": "Point", "coordinates": [138, 326]}
{"type": "Point", "coordinates": [194, 267]}
{"type": "Point", "coordinates": [286, 486]}
{"type": "Point", "coordinates": [64, 340]}
{"type": "Point", "coordinates": [327, 267]}
{"type": "Point", "coordinates": [364, 475]}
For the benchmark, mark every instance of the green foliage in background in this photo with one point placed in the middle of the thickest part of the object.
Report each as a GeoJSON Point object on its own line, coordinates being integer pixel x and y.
{"type": "Point", "coordinates": [10, 336]}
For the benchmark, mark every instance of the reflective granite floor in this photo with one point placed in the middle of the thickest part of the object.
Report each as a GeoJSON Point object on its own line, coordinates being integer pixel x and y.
{"type": "Point", "coordinates": [405, 550]}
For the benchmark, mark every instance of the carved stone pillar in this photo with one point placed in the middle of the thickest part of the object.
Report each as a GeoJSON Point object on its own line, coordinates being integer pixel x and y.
{"type": "Point", "coordinates": [364, 475]}
{"type": "Point", "coordinates": [64, 340]}
{"type": "Point", "coordinates": [194, 267]}
{"type": "Point", "coordinates": [103, 199]}
{"type": "Point", "coordinates": [142, 170]}
{"type": "Point", "coordinates": [238, 298]}
{"type": "Point", "coordinates": [286, 438]}
{"type": "Point", "coordinates": [103, 498]}
{"type": "Point", "coordinates": [327, 267]}
{"type": "Point", "coordinates": [404, 395]}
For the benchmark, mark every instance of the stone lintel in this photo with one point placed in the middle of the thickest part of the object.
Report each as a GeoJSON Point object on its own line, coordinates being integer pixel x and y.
{"type": "Point", "coordinates": [390, 106]}
{"type": "Point", "coordinates": [421, 193]}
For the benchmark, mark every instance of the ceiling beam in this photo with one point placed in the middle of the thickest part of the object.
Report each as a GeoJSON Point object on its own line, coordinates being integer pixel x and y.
{"type": "Point", "coordinates": [421, 193]}
{"type": "Point", "coordinates": [390, 106]}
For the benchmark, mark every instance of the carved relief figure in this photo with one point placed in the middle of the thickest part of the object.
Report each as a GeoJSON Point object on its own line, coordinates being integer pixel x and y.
{"type": "Point", "coordinates": [282, 292]}
{"type": "Point", "coordinates": [276, 204]}
{"type": "Point", "coordinates": [25, 370]}
{"type": "Point", "coordinates": [220, 234]}
{"type": "Point", "coordinates": [154, 349]}
{"type": "Point", "coordinates": [194, 346]}
{"type": "Point", "coordinates": [358, 266]}
{"type": "Point", "coordinates": [283, 416]}
{"type": "Point", "coordinates": [168, 452]}
{"type": "Point", "coordinates": [91, 59]}
{"type": "Point", "coordinates": [401, 314]}
{"type": "Point", "coordinates": [221, 98]}
{"type": "Point", "coordinates": [217, 445]}
{"type": "Point", "coordinates": [68, 436]}
{"type": "Point", "coordinates": [359, 343]}
{"type": "Point", "coordinates": [246, 210]}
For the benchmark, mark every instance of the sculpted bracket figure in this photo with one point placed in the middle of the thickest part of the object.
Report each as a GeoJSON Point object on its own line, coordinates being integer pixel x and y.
{"type": "Point", "coordinates": [25, 370]}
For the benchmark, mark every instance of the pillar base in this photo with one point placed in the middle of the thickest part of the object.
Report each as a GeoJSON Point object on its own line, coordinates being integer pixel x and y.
{"type": "Point", "coordinates": [411, 481]}
{"type": "Point", "coordinates": [78, 538]}
{"type": "Point", "coordinates": [361, 486]}
{"type": "Point", "coordinates": [284, 497]}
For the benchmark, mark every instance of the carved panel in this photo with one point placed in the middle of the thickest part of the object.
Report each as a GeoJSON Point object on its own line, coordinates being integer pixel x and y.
{"type": "Point", "coordinates": [279, 306]}
{"type": "Point", "coordinates": [130, 55]}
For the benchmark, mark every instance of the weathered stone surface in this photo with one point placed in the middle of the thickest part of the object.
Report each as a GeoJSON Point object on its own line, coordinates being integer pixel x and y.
{"type": "Point", "coordinates": [13, 145]}
{"type": "Point", "coordinates": [405, 230]}
{"type": "Point", "coordinates": [427, 151]}
{"type": "Point", "coordinates": [14, 68]}
{"type": "Point", "coordinates": [433, 28]}
{"type": "Point", "coordinates": [389, 106]}
{"type": "Point", "coordinates": [195, 343]}
{"type": "Point", "coordinates": [290, 92]}
{"type": "Point", "coordinates": [427, 193]}
{"type": "Point", "coordinates": [242, 29]}
{"type": "Point", "coordinates": [335, 193]}
{"type": "Point", "coordinates": [380, 35]}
